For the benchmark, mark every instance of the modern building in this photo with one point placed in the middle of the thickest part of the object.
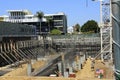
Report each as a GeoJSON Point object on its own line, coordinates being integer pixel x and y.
{"type": "Point", "coordinates": [59, 20]}
{"type": "Point", "coordinates": [26, 17]}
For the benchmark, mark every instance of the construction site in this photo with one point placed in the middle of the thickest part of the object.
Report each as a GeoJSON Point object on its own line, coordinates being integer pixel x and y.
{"type": "Point", "coordinates": [25, 56]}
{"type": "Point", "coordinates": [60, 57]}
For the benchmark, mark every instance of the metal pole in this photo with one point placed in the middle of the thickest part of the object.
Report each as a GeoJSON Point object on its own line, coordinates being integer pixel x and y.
{"type": "Point", "coordinates": [111, 57]}
{"type": "Point", "coordinates": [111, 32]}
{"type": "Point", "coordinates": [101, 26]}
{"type": "Point", "coordinates": [116, 36]}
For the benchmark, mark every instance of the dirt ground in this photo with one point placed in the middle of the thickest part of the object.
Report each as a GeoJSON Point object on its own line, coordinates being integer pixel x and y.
{"type": "Point", "coordinates": [35, 78]}
{"type": "Point", "coordinates": [108, 71]}
{"type": "Point", "coordinates": [84, 74]}
{"type": "Point", "coordinates": [22, 70]}
{"type": "Point", "coordinates": [87, 74]}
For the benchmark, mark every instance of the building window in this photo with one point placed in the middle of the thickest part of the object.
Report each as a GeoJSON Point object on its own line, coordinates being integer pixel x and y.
{"type": "Point", "coordinates": [60, 23]}
{"type": "Point", "coordinates": [58, 17]}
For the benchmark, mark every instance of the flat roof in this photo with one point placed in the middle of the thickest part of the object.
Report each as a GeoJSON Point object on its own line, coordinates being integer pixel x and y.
{"type": "Point", "coordinates": [25, 11]}
{"type": "Point", "coordinates": [56, 14]}
{"type": "Point", "coordinates": [4, 16]}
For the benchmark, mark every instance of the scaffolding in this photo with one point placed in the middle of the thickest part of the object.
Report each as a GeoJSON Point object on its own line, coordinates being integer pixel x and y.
{"type": "Point", "coordinates": [88, 45]}
{"type": "Point", "coordinates": [105, 30]}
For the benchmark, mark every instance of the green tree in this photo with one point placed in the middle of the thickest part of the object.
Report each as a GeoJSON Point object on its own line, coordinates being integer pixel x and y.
{"type": "Point", "coordinates": [55, 32]}
{"type": "Point", "coordinates": [77, 28]}
{"type": "Point", "coordinates": [40, 15]}
{"type": "Point", "coordinates": [90, 26]}
{"type": "Point", "coordinates": [50, 23]}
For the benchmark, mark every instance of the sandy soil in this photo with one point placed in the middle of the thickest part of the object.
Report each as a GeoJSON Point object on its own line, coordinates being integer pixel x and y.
{"type": "Point", "coordinates": [35, 78]}
{"type": "Point", "coordinates": [108, 71]}
{"type": "Point", "coordinates": [22, 70]}
{"type": "Point", "coordinates": [84, 74]}
{"type": "Point", "coordinates": [87, 74]}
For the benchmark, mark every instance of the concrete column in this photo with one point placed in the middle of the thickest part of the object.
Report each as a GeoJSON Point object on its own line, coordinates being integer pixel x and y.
{"type": "Point", "coordinates": [84, 57]}
{"type": "Point", "coordinates": [66, 74]}
{"type": "Point", "coordinates": [60, 68]}
{"type": "Point", "coordinates": [70, 70]}
{"type": "Point", "coordinates": [79, 64]}
{"type": "Point", "coordinates": [81, 58]}
{"type": "Point", "coordinates": [68, 65]}
{"type": "Point", "coordinates": [29, 68]}
{"type": "Point", "coordinates": [74, 65]}
{"type": "Point", "coordinates": [116, 35]}
{"type": "Point", "coordinates": [63, 65]}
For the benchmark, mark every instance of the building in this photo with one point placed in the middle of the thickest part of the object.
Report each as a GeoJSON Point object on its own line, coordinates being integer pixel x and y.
{"type": "Point", "coordinates": [70, 30]}
{"type": "Point", "coordinates": [60, 21]}
{"type": "Point", "coordinates": [26, 17]}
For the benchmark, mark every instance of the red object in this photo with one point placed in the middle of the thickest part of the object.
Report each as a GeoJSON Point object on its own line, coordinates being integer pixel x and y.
{"type": "Point", "coordinates": [72, 75]}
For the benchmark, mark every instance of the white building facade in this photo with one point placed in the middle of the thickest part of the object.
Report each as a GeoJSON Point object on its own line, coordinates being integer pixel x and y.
{"type": "Point", "coordinates": [26, 17]}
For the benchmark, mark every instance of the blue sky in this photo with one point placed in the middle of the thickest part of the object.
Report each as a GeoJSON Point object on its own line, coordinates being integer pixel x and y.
{"type": "Point", "coordinates": [76, 10]}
